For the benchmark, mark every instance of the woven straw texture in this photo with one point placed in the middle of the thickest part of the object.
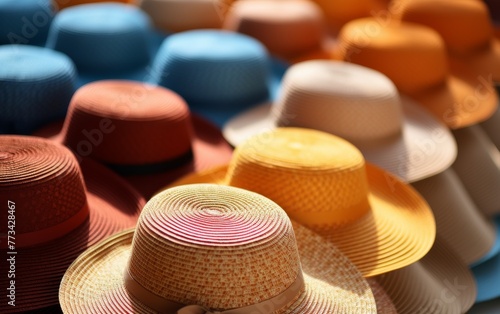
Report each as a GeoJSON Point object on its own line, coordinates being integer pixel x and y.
{"type": "Point", "coordinates": [321, 181]}
{"type": "Point", "coordinates": [440, 283]}
{"type": "Point", "coordinates": [180, 252]}
{"type": "Point", "coordinates": [46, 184]}
{"type": "Point", "coordinates": [117, 34]}
{"type": "Point", "coordinates": [454, 99]}
{"type": "Point", "coordinates": [61, 4]}
{"type": "Point", "coordinates": [478, 167]}
{"type": "Point", "coordinates": [384, 302]}
{"type": "Point", "coordinates": [36, 88]}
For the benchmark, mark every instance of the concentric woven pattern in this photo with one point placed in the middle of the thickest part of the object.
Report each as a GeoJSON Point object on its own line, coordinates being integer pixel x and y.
{"type": "Point", "coordinates": [458, 220]}
{"type": "Point", "coordinates": [102, 37]}
{"type": "Point", "coordinates": [213, 69]}
{"type": "Point", "coordinates": [350, 101]}
{"type": "Point", "coordinates": [37, 85]}
{"type": "Point", "coordinates": [384, 302]}
{"type": "Point", "coordinates": [43, 179]}
{"type": "Point", "coordinates": [127, 123]}
{"type": "Point", "coordinates": [478, 167]}
{"type": "Point", "coordinates": [296, 30]}
{"type": "Point", "coordinates": [332, 284]}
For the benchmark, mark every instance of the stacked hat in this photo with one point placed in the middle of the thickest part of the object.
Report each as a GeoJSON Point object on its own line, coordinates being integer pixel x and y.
{"type": "Point", "coordinates": [61, 4]}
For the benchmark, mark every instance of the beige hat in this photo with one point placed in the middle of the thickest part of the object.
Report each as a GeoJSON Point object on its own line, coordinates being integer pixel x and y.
{"type": "Point", "coordinates": [440, 283]}
{"type": "Point", "coordinates": [458, 221]}
{"type": "Point", "coordinates": [207, 248]}
{"type": "Point", "coordinates": [478, 167]}
{"type": "Point", "coordinates": [360, 105]}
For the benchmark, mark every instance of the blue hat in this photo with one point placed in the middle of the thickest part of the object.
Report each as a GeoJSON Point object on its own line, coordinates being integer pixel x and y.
{"type": "Point", "coordinates": [218, 73]}
{"type": "Point", "coordinates": [105, 40]}
{"type": "Point", "coordinates": [487, 273]}
{"type": "Point", "coordinates": [36, 85]}
{"type": "Point", "coordinates": [25, 21]}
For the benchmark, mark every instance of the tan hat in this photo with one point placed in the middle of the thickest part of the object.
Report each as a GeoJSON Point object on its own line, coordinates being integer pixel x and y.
{"type": "Point", "coordinates": [360, 105]}
{"type": "Point", "coordinates": [214, 249]}
{"type": "Point", "coordinates": [183, 15]}
{"type": "Point", "coordinates": [382, 299]}
{"type": "Point", "coordinates": [414, 57]}
{"type": "Point", "coordinates": [440, 283]}
{"type": "Point", "coordinates": [322, 182]}
{"type": "Point", "coordinates": [291, 29]}
{"type": "Point", "coordinates": [478, 167]}
{"type": "Point", "coordinates": [458, 221]}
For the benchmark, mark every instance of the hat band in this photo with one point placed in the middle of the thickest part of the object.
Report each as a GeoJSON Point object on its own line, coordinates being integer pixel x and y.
{"type": "Point", "coordinates": [51, 233]}
{"type": "Point", "coordinates": [163, 305]}
{"type": "Point", "coordinates": [130, 170]}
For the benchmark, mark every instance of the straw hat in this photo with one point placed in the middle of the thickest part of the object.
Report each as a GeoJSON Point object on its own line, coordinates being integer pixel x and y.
{"type": "Point", "coordinates": [144, 132]}
{"type": "Point", "coordinates": [36, 87]}
{"type": "Point", "coordinates": [478, 167]}
{"type": "Point", "coordinates": [25, 22]}
{"type": "Point", "coordinates": [177, 16]}
{"type": "Point", "coordinates": [492, 128]}
{"type": "Point", "coordinates": [458, 221]}
{"type": "Point", "coordinates": [322, 182]}
{"type": "Point", "coordinates": [218, 73]}
{"type": "Point", "coordinates": [61, 4]}
{"type": "Point", "coordinates": [419, 68]}
{"type": "Point", "coordinates": [440, 283]}
{"type": "Point", "coordinates": [57, 214]}
{"type": "Point", "coordinates": [360, 105]}
{"type": "Point", "coordinates": [177, 260]}
{"type": "Point", "coordinates": [382, 299]}
{"type": "Point", "coordinates": [105, 40]}
{"type": "Point", "coordinates": [298, 32]}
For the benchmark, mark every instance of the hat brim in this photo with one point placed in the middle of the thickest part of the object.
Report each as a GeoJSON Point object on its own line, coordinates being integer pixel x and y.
{"type": "Point", "coordinates": [94, 282]}
{"type": "Point", "coordinates": [487, 275]}
{"type": "Point", "coordinates": [398, 231]}
{"type": "Point", "coordinates": [208, 146]}
{"type": "Point", "coordinates": [492, 127]}
{"type": "Point", "coordinates": [113, 206]}
{"type": "Point", "coordinates": [414, 288]}
{"type": "Point", "coordinates": [425, 147]}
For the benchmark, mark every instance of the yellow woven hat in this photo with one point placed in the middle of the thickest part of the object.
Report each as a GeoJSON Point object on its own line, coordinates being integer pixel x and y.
{"type": "Point", "coordinates": [322, 182]}
{"type": "Point", "coordinates": [214, 249]}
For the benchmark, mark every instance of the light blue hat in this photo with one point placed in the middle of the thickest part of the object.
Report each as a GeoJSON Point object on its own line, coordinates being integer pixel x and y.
{"type": "Point", "coordinates": [218, 73]}
{"type": "Point", "coordinates": [36, 85]}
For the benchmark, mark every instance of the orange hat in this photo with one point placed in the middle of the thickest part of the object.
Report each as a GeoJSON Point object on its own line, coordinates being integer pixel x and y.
{"type": "Point", "coordinates": [61, 4]}
{"type": "Point", "coordinates": [414, 57]}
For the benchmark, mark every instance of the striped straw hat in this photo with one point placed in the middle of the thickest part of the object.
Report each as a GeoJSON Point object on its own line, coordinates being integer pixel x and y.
{"type": "Point", "coordinates": [214, 249]}
{"type": "Point", "coordinates": [323, 182]}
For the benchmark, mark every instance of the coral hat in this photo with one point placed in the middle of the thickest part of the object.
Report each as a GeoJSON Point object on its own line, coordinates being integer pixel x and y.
{"type": "Point", "coordinates": [322, 182]}
{"type": "Point", "coordinates": [360, 105]}
{"type": "Point", "coordinates": [214, 249]}
{"type": "Point", "coordinates": [61, 4]}
{"type": "Point", "coordinates": [414, 57]}
{"type": "Point", "coordinates": [296, 33]}
{"type": "Point", "coordinates": [143, 132]}
{"type": "Point", "coordinates": [60, 210]}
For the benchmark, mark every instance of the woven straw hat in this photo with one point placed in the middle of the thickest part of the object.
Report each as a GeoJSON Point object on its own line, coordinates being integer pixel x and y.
{"type": "Point", "coordinates": [61, 4]}
{"type": "Point", "coordinates": [440, 283]}
{"type": "Point", "coordinates": [360, 105]}
{"type": "Point", "coordinates": [298, 32]}
{"type": "Point", "coordinates": [322, 182]}
{"type": "Point", "coordinates": [57, 214]}
{"type": "Point", "coordinates": [177, 16]}
{"type": "Point", "coordinates": [25, 22]}
{"type": "Point", "coordinates": [144, 132]}
{"type": "Point", "coordinates": [419, 68]}
{"type": "Point", "coordinates": [478, 167]}
{"type": "Point", "coordinates": [492, 128]}
{"type": "Point", "coordinates": [179, 260]}
{"type": "Point", "coordinates": [382, 299]}
{"type": "Point", "coordinates": [36, 87]}
{"type": "Point", "coordinates": [105, 40]}
{"type": "Point", "coordinates": [458, 221]}
{"type": "Point", "coordinates": [218, 73]}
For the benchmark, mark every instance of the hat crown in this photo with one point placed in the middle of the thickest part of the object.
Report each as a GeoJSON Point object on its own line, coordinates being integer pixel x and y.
{"type": "Point", "coordinates": [44, 181]}
{"type": "Point", "coordinates": [317, 178]}
{"type": "Point", "coordinates": [413, 56]}
{"type": "Point", "coordinates": [216, 69]}
{"type": "Point", "coordinates": [464, 25]}
{"type": "Point", "coordinates": [344, 99]}
{"type": "Point", "coordinates": [127, 123]}
{"type": "Point", "coordinates": [216, 246]}
{"type": "Point", "coordinates": [297, 28]}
